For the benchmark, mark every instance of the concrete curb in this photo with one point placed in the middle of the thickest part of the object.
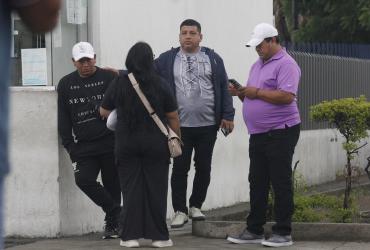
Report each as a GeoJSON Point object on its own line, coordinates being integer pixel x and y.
{"type": "Point", "coordinates": [301, 231]}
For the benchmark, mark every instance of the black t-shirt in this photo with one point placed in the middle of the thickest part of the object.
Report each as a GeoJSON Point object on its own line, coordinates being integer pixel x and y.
{"type": "Point", "coordinates": [144, 123]}
{"type": "Point", "coordinates": [79, 100]}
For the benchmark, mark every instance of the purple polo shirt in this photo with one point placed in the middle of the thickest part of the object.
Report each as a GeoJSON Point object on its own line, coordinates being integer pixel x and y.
{"type": "Point", "coordinates": [280, 72]}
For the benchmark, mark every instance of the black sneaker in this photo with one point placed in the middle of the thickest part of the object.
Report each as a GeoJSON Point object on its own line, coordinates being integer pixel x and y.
{"type": "Point", "coordinates": [110, 231]}
{"type": "Point", "coordinates": [111, 228]}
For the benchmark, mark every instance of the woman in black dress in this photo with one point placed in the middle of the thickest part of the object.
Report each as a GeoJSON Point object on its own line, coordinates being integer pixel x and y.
{"type": "Point", "coordinates": [141, 148]}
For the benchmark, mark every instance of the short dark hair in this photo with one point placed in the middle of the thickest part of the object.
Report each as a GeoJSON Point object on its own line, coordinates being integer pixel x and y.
{"type": "Point", "coordinates": [191, 22]}
{"type": "Point", "coordinates": [268, 39]}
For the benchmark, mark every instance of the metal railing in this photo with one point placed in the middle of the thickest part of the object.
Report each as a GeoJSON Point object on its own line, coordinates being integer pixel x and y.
{"type": "Point", "coordinates": [326, 77]}
{"type": "Point", "coordinates": [361, 51]}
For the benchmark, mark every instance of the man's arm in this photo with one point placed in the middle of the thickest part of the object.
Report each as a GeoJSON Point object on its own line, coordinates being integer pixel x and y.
{"type": "Point", "coordinates": [104, 112]}
{"type": "Point", "coordinates": [174, 122]}
{"type": "Point", "coordinates": [278, 97]}
{"type": "Point", "coordinates": [64, 121]}
{"type": "Point", "coordinates": [227, 108]}
{"type": "Point", "coordinates": [275, 96]}
{"type": "Point", "coordinates": [39, 15]}
{"type": "Point", "coordinates": [286, 89]}
{"type": "Point", "coordinates": [109, 101]}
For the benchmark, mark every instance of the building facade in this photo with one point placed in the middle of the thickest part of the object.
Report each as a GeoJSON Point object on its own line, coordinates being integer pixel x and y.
{"type": "Point", "coordinates": [41, 198]}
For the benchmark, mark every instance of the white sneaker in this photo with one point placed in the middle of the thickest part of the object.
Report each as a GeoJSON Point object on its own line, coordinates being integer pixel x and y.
{"type": "Point", "coordinates": [195, 214]}
{"type": "Point", "coordinates": [129, 243]}
{"type": "Point", "coordinates": [162, 243]}
{"type": "Point", "coordinates": [179, 220]}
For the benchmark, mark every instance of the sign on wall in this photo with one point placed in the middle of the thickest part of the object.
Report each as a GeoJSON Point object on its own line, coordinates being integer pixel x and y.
{"type": "Point", "coordinates": [76, 11]}
{"type": "Point", "coordinates": [34, 67]}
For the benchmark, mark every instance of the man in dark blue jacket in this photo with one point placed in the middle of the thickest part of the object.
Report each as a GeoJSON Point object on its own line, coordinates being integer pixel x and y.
{"type": "Point", "coordinates": [199, 81]}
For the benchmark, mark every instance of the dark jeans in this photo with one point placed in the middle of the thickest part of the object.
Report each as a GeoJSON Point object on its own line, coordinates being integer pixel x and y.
{"type": "Point", "coordinates": [271, 156]}
{"type": "Point", "coordinates": [202, 140]}
{"type": "Point", "coordinates": [108, 197]}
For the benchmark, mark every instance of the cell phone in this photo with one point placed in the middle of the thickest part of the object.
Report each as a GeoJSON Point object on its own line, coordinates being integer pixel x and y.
{"type": "Point", "coordinates": [225, 131]}
{"type": "Point", "coordinates": [235, 83]}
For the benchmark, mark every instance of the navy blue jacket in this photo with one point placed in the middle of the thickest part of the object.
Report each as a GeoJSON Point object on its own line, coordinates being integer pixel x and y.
{"type": "Point", "coordinates": [223, 101]}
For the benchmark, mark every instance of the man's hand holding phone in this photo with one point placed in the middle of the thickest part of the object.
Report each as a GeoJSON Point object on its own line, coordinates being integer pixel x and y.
{"type": "Point", "coordinates": [234, 86]}
{"type": "Point", "coordinates": [225, 131]}
{"type": "Point", "coordinates": [226, 127]}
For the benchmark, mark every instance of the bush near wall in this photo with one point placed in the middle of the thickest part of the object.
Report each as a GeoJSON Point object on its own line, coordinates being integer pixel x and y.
{"type": "Point", "coordinates": [351, 116]}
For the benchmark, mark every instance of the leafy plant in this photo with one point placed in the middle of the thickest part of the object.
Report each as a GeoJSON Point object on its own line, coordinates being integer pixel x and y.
{"type": "Point", "coordinates": [318, 208]}
{"type": "Point", "coordinates": [351, 116]}
{"type": "Point", "coordinates": [309, 21]}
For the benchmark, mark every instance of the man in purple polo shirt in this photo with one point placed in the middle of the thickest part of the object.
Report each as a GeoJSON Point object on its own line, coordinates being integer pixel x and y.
{"type": "Point", "coordinates": [271, 114]}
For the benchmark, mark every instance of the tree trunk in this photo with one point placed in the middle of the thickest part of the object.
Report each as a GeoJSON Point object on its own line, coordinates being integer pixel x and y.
{"type": "Point", "coordinates": [280, 22]}
{"type": "Point", "coordinates": [347, 192]}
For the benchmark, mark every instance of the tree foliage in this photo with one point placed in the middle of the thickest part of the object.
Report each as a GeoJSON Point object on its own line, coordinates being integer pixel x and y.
{"type": "Point", "coordinates": [339, 21]}
{"type": "Point", "coordinates": [351, 116]}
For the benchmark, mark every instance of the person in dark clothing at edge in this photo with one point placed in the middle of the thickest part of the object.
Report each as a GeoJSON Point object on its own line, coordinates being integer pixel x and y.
{"type": "Point", "coordinates": [39, 16]}
{"type": "Point", "coordinates": [142, 149]}
{"type": "Point", "coordinates": [197, 77]}
{"type": "Point", "coordinates": [85, 136]}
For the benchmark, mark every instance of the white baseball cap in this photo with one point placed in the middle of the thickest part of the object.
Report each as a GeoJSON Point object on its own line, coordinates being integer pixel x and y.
{"type": "Point", "coordinates": [81, 50]}
{"type": "Point", "coordinates": [260, 32]}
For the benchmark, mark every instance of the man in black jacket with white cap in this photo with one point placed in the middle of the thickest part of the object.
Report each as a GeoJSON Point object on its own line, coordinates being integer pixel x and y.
{"type": "Point", "coordinates": [85, 135]}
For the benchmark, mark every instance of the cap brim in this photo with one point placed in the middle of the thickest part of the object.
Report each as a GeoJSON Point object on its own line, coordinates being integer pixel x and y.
{"type": "Point", "coordinates": [82, 55]}
{"type": "Point", "coordinates": [254, 42]}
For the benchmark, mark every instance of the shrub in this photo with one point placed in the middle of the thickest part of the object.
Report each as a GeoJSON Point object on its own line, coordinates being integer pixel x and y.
{"type": "Point", "coordinates": [351, 116]}
{"type": "Point", "coordinates": [318, 208]}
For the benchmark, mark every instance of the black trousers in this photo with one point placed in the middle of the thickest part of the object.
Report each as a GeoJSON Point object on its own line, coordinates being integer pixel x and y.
{"type": "Point", "coordinates": [271, 156]}
{"type": "Point", "coordinates": [108, 197]}
{"type": "Point", "coordinates": [143, 165]}
{"type": "Point", "coordinates": [202, 140]}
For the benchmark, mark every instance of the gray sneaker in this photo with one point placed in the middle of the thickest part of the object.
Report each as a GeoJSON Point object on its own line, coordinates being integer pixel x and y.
{"type": "Point", "coordinates": [246, 237]}
{"type": "Point", "coordinates": [278, 241]}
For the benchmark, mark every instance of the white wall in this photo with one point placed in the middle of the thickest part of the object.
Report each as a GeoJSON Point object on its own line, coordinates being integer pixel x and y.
{"type": "Point", "coordinates": [41, 198]}
{"type": "Point", "coordinates": [31, 189]}
{"type": "Point", "coordinates": [322, 157]}
{"type": "Point", "coordinates": [226, 27]}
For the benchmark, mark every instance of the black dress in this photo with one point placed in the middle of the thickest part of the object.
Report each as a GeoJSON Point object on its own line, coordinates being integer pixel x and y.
{"type": "Point", "coordinates": [143, 163]}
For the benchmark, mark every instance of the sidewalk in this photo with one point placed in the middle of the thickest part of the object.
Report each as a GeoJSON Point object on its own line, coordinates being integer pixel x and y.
{"type": "Point", "coordinates": [182, 239]}
{"type": "Point", "coordinates": [182, 242]}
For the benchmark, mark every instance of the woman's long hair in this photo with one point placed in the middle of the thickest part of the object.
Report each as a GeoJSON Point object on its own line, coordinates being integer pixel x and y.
{"type": "Point", "coordinates": [140, 62]}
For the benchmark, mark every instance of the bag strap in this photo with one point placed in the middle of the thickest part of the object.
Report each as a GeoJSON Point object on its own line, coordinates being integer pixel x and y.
{"type": "Point", "coordinates": [147, 105]}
